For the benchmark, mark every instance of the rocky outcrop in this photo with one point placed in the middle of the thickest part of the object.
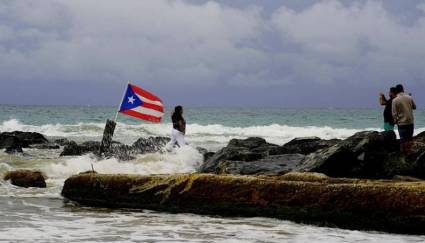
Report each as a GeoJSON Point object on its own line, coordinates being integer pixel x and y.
{"type": "Point", "coordinates": [307, 198]}
{"type": "Point", "coordinates": [255, 154]}
{"type": "Point", "coordinates": [118, 150]}
{"type": "Point", "coordinates": [26, 178]}
{"type": "Point", "coordinates": [364, 155]}
{"type": "Point", "coordinates": [367, 154]}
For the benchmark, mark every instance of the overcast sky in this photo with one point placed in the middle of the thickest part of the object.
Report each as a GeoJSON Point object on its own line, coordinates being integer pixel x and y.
{"type": "Point", "coordinates": [293, 53]}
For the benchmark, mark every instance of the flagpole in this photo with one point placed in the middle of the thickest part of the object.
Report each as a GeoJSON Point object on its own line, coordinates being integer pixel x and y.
{"type": "Point", "coordinates": [119, 105]}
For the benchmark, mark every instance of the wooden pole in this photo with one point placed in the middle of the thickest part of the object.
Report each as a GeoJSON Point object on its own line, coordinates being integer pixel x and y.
{"type": "Point", "coordinates": [110, 125]}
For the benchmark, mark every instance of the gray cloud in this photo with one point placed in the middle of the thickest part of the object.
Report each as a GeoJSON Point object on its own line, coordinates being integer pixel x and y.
{"type": "Point", "coordinates": [195, 48]}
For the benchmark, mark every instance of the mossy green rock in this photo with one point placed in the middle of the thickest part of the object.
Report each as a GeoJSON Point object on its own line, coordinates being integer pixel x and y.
{"type": "Point", "coordinates": [385, 205]}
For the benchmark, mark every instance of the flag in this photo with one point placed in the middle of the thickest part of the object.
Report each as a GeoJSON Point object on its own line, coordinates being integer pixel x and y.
{"type": "Point", "coordinates": [141, 104]}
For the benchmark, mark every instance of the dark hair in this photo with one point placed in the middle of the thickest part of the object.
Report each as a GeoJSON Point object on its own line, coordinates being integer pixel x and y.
{"type": "Point", "coordinates": [399, 88]}
{"type": "Point", "coordinates": [177, 111]}
{"type": "Point", "coordinates": [393, 90]}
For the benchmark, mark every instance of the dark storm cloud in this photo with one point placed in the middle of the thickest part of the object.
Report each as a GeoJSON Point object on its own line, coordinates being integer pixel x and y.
{"type": "Point", "coordinates": [284, 53]}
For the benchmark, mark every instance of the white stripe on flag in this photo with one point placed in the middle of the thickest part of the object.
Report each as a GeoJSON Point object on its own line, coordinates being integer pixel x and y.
{"type": "Point", "coordinates": [144, 99]}
{"type": "Point", "coordinates": [148, 111]}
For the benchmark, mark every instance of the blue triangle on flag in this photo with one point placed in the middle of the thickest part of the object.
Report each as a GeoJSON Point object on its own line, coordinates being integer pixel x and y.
{"type": "Point", "coordinates": [131, 100]}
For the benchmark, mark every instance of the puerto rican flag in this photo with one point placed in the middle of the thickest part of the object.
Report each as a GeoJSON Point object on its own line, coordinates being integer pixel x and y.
{"type": "Point", "coordinates": [142, 104]}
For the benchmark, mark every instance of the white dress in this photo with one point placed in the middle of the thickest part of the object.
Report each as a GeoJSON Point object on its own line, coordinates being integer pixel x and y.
{"type": "Point", "coordinates": [177, 138]}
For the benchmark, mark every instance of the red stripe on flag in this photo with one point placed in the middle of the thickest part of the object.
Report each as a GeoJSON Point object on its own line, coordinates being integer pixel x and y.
{"type": "Point", "coordinates": [153, 107]}
{"type": "Point", "coordinates": [144, 93]}
{"type": "Point", "coordinates": [141, 116]}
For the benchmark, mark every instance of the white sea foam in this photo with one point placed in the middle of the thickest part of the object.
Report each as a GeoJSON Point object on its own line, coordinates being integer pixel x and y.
{"type": "Point", "coordinates": [182, 160]}
{"type": "Point", "coordinates": [215, 134]}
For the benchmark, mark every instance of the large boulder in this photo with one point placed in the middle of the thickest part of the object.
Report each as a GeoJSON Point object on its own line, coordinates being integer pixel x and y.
{"type": "Point", "coordinates": [249, 149]}
{"type": "Point", "coordinates": [391, 206]}
{"type": "Point", "coordinates": [271, 165]}
{"type": "Point", "coordinates": [366, 154]}
{"type": "Point", "coordinates": [26, 178]}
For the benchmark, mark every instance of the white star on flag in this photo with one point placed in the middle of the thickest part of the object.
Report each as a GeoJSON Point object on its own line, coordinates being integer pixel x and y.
{"type": "Point", "coordinates": [131, 99]}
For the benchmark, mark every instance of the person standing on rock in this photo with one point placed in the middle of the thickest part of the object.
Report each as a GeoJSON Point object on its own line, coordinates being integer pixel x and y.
{"type": "Point", "coordinates": [179, 128]}
{"type": "Point", "coordinates": [388, 116]}
{"type": "Point", "coordinates": [402, 109]}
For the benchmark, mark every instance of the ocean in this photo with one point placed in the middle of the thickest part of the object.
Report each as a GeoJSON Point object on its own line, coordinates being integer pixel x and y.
{"type": "Point", "coordinates": [41, 215]}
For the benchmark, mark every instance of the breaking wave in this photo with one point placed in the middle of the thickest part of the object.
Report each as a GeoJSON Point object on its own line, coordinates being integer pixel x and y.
{"type": "Point", "coordinates": [212, 136]}
{"type": "Point", "coordinates": [203, 134]}
{"type": "Point", "coordinates": [182, 160]}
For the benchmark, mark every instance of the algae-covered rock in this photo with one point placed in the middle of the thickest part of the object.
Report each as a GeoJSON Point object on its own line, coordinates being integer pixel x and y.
{"type": "Point", "coordinates": [309, 198]}
{"type": "Point", "coordinates": [26, 178]}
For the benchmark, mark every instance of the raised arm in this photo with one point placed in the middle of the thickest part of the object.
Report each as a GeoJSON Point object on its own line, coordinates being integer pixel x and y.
{"type": "Point", "coordinates": [413, 105]}
{"type": "Point", "coordinates": [382, 99]}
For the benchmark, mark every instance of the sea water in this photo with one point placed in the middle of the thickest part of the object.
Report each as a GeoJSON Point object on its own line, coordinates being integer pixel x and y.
{"type": "Point", "coordinates": [40, 214]}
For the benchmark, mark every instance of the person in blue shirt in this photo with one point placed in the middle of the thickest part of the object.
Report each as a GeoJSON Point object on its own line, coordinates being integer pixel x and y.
{"type": "Point", "coordinates": [388, 116]}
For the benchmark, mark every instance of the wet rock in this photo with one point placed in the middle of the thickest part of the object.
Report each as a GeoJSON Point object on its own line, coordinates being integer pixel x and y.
{"type": "Point", "coordinates": [249, 149]}
{"type": "Point", "coordinates": [419, 166]}
{"type": "Point", "coordinates": [10, 141]}
{"type": "Point", "coordinates": [205, 153]}
{"type": "Point", "coordinates": [364, 155]}
{"type": "Point", "coordinates": [304, 146]}
{"type": "Point", "coordinates": [382, 205]}
{"type": "Point", "coordinates": [14, 150]}
{"type": "Point", "coordinates": [150, 144]}
{"type": "Point", "coordinates": [26, 138]}
{"type": "Point", "coordinates": [26, 178]}
{"type": "Point", "coordinates": [74, 149]}
{"type": "Point", "coordinates": [120, 151]}
{"type": "Point", "coordinates": [208, 155]}
{"type": "Point", "coordinates": [249, 143]}
{"type": "Point", "coordinates": [271, 165]}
